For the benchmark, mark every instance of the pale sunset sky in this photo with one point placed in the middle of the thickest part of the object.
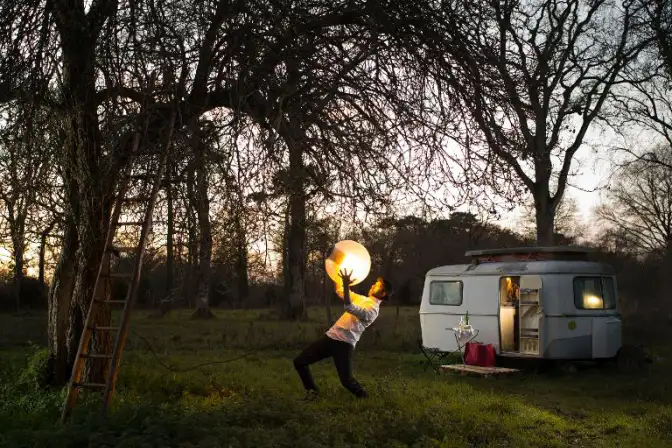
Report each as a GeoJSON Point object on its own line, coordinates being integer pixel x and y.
{"type": "Point", "coordinates": [592, 167]}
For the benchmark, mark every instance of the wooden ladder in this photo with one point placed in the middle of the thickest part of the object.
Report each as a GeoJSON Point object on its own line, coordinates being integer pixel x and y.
{"type": "Point", "coordinates": [154, 169]}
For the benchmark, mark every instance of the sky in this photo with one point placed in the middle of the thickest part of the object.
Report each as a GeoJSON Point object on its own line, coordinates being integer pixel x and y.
{"type": "Point", "coordinates": [592, 167]}
{"type": "Point", "coordinates": [587, 189]}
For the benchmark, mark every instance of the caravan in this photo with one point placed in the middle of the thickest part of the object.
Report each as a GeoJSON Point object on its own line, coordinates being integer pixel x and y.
{"type": "Point", "coordinates": [542, 302]}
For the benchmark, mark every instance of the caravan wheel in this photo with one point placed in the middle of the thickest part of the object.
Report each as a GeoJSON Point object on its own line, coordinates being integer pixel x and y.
{"type": "Point", "coordinates": [630, 359]}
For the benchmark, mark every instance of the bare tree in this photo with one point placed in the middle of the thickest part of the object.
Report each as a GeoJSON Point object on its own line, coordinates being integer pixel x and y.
{"type": "Point", "coordinates": [331, 96]}
{"type": "Point", "coordinates": [25, 164]}
{"type": "Point", "coordinates": [533, 76]}
{"type": "Point", "coordinates": [639, 205]}
{"type": "Point", "coordinates": [643, 106]}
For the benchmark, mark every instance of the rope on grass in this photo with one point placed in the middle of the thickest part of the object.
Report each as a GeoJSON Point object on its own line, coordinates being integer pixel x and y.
{"type": "Point", "coordinates": [150, 347]}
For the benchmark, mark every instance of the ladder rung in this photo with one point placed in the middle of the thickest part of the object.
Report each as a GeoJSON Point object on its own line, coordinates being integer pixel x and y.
{"type": "Point", "coordinates": [90, 385]}
{"type": "Point", "coordinates": [102, 328]}
{"type": "Point", "coordinates": [129, 223]}
{"type": "Point", "coordinates": [96, 356]}
{"type": "Point", "coordinates": [136, 199]}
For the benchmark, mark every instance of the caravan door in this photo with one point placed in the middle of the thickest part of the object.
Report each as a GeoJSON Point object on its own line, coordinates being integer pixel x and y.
{"type": "Point", "coordinates": [520, 314]}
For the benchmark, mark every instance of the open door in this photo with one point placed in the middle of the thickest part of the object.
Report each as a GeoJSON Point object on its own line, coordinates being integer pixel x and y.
{"type": "Point", "coordinates": [519, 314]}
{"type": "Point", "coordinates": [508, 310]}
{"type": "Point", "coordinates": [529, 311]}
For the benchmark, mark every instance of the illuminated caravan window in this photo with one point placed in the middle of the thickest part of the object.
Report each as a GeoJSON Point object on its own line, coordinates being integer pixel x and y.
{"type": "Point", "coordinates": [445, 293]}
{"type": "Point", "coordinates": [594, 293]}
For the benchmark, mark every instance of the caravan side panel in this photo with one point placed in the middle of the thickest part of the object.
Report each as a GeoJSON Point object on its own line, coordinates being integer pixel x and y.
{"type": "Point", "coordinates": [440, 309]}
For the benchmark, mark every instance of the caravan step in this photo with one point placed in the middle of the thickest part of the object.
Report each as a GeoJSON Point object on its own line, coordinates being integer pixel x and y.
{"type": "Point", "coordinates": [478, 370]}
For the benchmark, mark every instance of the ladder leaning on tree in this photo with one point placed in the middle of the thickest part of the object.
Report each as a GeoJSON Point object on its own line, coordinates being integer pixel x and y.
{"type": "Point", "coordinates": [153, 164]}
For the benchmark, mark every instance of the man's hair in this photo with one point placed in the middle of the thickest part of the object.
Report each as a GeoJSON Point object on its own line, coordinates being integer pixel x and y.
{"type": "Point", "coordinates": [389, 288]}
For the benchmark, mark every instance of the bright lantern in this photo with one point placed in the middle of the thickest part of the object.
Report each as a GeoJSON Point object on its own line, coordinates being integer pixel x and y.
{"type": "Point", "coordinates": [349, 255]}
{"type": "Point", "coordinates": [592, 302]}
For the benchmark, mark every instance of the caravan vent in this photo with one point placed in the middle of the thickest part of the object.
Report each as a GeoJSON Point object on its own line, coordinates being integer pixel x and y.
{"type": "Point", "coordinates": [529, 254]}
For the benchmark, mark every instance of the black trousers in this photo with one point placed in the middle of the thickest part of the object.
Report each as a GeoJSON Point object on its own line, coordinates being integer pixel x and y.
{"type": "Point", "coordinates": [323, 348]}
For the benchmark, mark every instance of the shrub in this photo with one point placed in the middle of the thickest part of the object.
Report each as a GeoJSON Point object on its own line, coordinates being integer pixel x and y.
{"type": "Point", "coordinates": [36, 373]}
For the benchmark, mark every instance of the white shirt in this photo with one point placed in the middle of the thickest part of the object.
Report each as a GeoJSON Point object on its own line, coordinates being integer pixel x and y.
{"type": "Point", "coordinates": [358, 315]}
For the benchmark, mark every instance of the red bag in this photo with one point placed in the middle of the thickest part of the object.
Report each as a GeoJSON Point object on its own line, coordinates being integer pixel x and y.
{"type": "Point", "coordinates": [477, 354]}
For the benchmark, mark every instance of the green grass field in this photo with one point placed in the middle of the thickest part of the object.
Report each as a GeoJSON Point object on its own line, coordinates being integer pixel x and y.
{"type": "Point", "coordinates": [257, 401]}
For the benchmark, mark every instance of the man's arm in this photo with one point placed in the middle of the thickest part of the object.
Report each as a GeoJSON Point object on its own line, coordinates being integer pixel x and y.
{"type": "Point", "coordinates": [339, 290]}
{"type": "Point", "coordinates": [359, 311]}
{"type": "Point", "coordinates": [346, 291]}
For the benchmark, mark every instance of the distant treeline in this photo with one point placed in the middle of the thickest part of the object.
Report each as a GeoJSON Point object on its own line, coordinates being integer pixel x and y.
{"type": "Point", "coordinates": [401, 249]}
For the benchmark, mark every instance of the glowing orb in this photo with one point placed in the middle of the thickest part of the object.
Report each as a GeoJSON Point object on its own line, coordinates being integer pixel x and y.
{"type": "Point", "coordinates": [350, 255]}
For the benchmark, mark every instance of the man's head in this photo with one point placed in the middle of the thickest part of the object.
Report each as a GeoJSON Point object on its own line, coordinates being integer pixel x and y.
{"type": "Point", "coordinates": [382, 289]}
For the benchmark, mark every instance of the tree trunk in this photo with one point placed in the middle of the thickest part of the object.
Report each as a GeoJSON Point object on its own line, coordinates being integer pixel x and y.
{"type": "Point", "coordinates": [545, 219]}
{"type": "Point", "coordinates": [205, 236]}
{"type": "Point", "coordinates": [169, 237]}
{"type": "Point", "coordinates": [388, 270]}
{"type": "Point", "coordinates": [43, 248]}
{"type": "Point", "coordinates": [60, 297]}
{"type": "Point", "coordinates": [192, 266]}
{"type": "Point", "coordinates": [164, 308]}
{"type": "Point", "coordinates": [192, 243]}
{"type": "Point", "coordinates": [295, 293]}
{"type": "Point", "coordinates": [545, 234]}
{"type": "Point", "coordinates": [666, 283]}
{"type": "Point", "coordinates": [89, 181]}
{"type": "Point", "coordinates": [89, 258]}
{"type": "Point", "coordinates": [326, 293]}
{"type": "Point", "coordinates": [285, 244]}
{"type": "Point", "coordinates": [18, 246]}
{"type": "Point", "coordinates": [242, 282]}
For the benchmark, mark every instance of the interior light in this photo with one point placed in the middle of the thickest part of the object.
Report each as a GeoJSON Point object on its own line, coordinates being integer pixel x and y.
{"type": "Point", "coordinates": [592, 302]}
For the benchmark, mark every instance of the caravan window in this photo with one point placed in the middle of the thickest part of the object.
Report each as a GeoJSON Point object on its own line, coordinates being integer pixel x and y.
{"type": "Point", "coordinates": [594, 293]}
{"type": "Point", "coordinates": [445, 293]}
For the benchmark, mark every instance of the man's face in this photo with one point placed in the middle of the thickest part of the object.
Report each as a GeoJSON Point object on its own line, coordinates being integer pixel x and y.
{"type": "Point", "coordinates": [377, 289]}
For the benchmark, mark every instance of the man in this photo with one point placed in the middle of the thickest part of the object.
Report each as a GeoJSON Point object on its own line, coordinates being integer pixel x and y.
{"type": "Point", "coordinates": [339, 342]}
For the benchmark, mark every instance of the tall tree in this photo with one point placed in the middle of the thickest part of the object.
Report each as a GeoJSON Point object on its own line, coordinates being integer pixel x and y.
{"type": "Point", "coordinates": [318, 79]}
{"type": "Point", "coordinates": [533, 75]}
{"type": "Point", "coordinates": [170, 241]}
{"type": "Point", "coordinates": [342, 110]}
{"type": "Point", "coordinates": [643, 105]}
{"type": "Point", "coordinates": [201, 203]}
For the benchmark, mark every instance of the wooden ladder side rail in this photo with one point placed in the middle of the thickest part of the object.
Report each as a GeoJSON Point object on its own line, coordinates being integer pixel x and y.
{"type": "Point", "coordinates": [137, 270]}
{"type": "Point", "coordinates": [83, 348]}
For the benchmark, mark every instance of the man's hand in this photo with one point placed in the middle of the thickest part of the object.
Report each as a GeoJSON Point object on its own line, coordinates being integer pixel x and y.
{"type": "Point", "coordinates": [345, 276]}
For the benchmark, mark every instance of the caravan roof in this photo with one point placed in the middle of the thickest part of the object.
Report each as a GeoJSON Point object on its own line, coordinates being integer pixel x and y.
{"type": "Point", "coordinates": [524, 268]}
{"type": "Point", "coordinates": [550, 250]}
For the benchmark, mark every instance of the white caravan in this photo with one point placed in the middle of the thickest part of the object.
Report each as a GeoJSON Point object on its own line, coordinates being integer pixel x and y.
{"type": "Point", "coordinates": [541, 302]}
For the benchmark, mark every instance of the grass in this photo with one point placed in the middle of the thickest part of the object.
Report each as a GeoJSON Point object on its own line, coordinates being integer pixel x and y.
{"type": "Point", "coordinates": [257, 401]}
